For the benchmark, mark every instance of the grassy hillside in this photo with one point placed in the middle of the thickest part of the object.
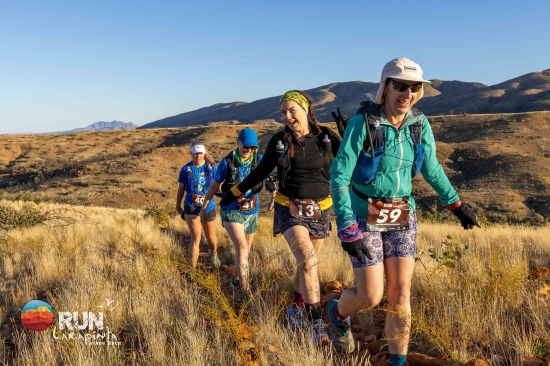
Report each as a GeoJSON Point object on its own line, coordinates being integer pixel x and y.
{"type": "Point", "coordinates": [486, 306]}
{"type": "Point", "coordinates": [498, 163]}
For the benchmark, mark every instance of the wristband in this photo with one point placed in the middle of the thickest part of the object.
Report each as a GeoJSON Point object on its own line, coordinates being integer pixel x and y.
{"type": "Point", "coordinates": [455, 205]}
{"type": "Point", "coordinates": [236, 192]}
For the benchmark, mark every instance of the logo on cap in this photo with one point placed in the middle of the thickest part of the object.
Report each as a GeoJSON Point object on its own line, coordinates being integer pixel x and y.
{"type": "Point", "coordinates": [410, 68]}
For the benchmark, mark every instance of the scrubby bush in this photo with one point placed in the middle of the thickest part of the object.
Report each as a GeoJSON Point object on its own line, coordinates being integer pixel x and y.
{"type": "Point", "coordinates": [29, 215]}
{"type": "Point", "coordinates": [160, 213]}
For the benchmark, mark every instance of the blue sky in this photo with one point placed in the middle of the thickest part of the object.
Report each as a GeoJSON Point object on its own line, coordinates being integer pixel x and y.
{"type": "Point", "coordinates": [67, 64]}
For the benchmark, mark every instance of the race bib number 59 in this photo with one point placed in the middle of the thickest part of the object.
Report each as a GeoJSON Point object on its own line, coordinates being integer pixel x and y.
{"type": "Point", "coordinates": [388, 214]}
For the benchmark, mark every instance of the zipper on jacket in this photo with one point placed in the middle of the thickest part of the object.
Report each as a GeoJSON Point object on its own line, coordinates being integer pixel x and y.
{"type": "Point", "coordinates": [400, 162]}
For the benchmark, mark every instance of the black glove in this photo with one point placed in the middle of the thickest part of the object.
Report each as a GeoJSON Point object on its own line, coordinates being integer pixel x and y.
{"type": "Point", "coordinates": [341, 121]}
{"type": "Point", "coordinates": [182, 215]}
{"type": "Point", "coordinates": [227, 199]}
{"type": "Point", "coordinates": [466, 216]}
{"type": "Point", "coordinates": [355, 248]}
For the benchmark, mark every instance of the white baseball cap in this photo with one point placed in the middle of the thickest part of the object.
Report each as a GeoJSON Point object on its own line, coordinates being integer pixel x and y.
{"type": "Point", "coordinates": [400, 68]}
{"type": "Point", "coordinates": [199, 148]}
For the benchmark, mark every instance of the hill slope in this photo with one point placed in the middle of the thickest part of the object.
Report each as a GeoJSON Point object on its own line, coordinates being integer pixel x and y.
{"type": "Point", "coordinates": [530, 92]}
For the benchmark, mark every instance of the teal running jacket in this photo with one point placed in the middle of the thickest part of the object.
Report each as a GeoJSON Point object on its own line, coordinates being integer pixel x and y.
{"type": "Point", "coordinates": [394, 175]}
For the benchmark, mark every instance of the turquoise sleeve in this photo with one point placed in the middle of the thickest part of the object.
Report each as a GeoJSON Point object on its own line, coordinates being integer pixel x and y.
{"type": "Point", "coordinates": [432, 171]}
{"type": "Point", "coordinates": [343, 165]}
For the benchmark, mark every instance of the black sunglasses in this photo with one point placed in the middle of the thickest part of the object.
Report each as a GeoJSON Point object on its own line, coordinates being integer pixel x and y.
{"type": "Point", "coordinates": [401, 87]}
{"type": "Point", "coordinates": [250, 147]}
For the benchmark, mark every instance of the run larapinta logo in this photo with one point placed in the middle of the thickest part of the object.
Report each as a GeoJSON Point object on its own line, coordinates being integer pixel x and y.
{"type": "Point", "coordinates": [37, 315]}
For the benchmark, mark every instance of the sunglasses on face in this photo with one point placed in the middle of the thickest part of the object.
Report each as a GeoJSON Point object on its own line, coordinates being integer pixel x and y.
{"type": "Point", "coordinates": [249, 147]}
{"type": "Point", "coordinates": [401, 87]}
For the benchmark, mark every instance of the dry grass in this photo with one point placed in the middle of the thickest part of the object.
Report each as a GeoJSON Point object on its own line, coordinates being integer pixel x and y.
{"type": "Point", "coordinates": [484, 306]}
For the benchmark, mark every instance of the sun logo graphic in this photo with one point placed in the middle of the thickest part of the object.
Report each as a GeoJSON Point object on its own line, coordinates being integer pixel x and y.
{"type": "Point", "coordinates": [37, 315]}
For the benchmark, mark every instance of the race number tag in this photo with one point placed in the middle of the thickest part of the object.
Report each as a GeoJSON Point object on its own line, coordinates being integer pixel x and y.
{"type": "Point", "coordinates": [388, 214]}
{"type": "Point", "coordinates": [246, 204]}
{"type": "Point", "coordinates": [197, 200]}
{"type": "Point", "coordinates": [305, 209]}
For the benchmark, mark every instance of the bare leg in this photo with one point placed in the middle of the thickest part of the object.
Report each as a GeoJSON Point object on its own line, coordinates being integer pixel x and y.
{"type": "Point", "coordinates": [399, 273]}
{"type": "Point", "coordinates": [193, 222]}
{"type": "Point", "coordinates": [317, 245]}
{"type": "Point", "coordinates": [368, 290]}
{"type": "Point", "coordinates": [306, 259]}
{"type": "Point", "coordinates": [242, 251]}
{"type": "Point", "coordinates": [210, 232]}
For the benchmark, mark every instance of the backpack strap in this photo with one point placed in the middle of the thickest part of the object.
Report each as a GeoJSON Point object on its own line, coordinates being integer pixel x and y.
{"type": "Point", "coordinates": [231, 173]}
{"type": "Point", "coordinates": [375, 132]}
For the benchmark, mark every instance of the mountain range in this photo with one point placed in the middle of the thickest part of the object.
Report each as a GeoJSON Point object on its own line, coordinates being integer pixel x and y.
{"type": "Point", "coordinates": [529, 92]}
{"type": "Point", "coordinates": [104, 126]}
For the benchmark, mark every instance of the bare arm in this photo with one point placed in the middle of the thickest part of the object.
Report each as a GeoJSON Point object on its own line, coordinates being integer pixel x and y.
{"type": "Point", "coordinates": [181, 192]}
{"type": "Point", "coordinates": [212, 189]}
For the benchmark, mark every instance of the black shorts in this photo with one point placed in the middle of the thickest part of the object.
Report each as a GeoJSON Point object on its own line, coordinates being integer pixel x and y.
{"type": "Point", "coordinates": [318, 229]}
{"type": "Point", "coordinates": [194, 211]}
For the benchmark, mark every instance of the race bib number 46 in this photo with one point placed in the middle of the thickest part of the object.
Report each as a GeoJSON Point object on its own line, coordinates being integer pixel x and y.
{"type": "Point", "coordinates": [388, 214]}
{"type": "Point", "coordinates": [197, 200]}
{"type": "Point", "coordinates": [305, 209]}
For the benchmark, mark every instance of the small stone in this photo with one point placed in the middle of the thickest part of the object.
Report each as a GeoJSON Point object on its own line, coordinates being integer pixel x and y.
{"type": "Point", "coordinates": [374, 346]}
{"type": "Point", "coordinates": [539, 272]}
{"type": "Point", "coordinates": [333, 286]}
{"type": "Point", "coordinates": [476, 362]}
{"type": "Point", "coordinates": [369, 338]}
{"type": "Point", "coordinates": [418, 359]}
{"type": "Point", "coordinates": [531, 361]}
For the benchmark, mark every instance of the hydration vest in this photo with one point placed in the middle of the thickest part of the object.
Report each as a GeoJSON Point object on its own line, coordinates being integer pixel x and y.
{"type": "Point", "coordinates": [367, 165]}
{"type": "Point", "coordinates": [232, 175]}
{"type": "Point", "coordinates": [190, 177]}
{"type": "Point", "coordinates": [283, 158]}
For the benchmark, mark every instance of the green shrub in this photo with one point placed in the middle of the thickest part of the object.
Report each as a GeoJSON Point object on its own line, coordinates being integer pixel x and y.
{"type": "Point", "coordinates": [29, 215]}
{"type": "Point", "coordinates": [160, 214]}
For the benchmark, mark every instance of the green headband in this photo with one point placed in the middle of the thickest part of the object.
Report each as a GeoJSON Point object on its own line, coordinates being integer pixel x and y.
{"type": "Point", "coordinates": [295, 97]}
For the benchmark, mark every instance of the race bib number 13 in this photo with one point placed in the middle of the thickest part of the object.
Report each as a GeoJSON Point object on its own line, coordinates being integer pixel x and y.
{"type": "Point", "coordinates": [306, 209]}
{"type": "Point", "coordinates": [388, 214]}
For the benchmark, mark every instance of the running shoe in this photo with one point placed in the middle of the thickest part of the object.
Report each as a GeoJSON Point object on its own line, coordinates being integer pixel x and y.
{"type": "Point", "coordinates": [296, 317]}
{"type": "Point", "coordinates": [189, 276]}
{"type": "Point", "coordinates": [235, 284]}
{"type": "Point", "coordinates": [214, 259]}
{"type": "Point", "coordinates": [239, 294]}
{"type": "Point", "coordinates": [342, 339]}
{"type": "Point", "coordinates": [318, 328]}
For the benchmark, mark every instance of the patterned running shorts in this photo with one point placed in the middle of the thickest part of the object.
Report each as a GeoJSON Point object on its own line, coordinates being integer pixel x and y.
{"type": "Point", "coordinates": [250, 222]}
{"type": "Point", "coordinates": [318, 229]}
{"type": "Point", "coordinates": [382, 245]}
